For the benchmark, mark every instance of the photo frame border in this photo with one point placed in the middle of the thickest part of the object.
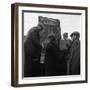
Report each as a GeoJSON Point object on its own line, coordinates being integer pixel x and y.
{"type": "Point", "coordinates": [14, 43]}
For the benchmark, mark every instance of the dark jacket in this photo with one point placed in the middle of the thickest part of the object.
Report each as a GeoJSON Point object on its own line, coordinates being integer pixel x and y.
{"type": "Point", "coordinates": [51, 57]}
{"type": "Point", "coordinates": [32, 43]}
{"type": "Point", "coordinates": [75, 57]}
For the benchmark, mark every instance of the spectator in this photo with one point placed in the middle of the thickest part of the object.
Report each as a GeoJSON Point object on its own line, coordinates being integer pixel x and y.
{"type": "Point", "coordinates": [65, 44]}
{"type": "Point", "coordinates": [32, 48]}
{"type": "Point", "coordinates": [51, 56]}
{"type": "Point", "coordinates": [75, 54]}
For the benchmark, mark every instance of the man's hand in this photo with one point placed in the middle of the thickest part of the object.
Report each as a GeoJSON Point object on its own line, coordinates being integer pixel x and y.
{"type": "Point", "coordinates": [42, 45]}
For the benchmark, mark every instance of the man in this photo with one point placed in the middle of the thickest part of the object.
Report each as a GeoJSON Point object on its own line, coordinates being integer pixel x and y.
{"type": "Point", "coordinates": [75, 54]}
{"type": "Point", "coordinates": [65, 44]}
{"type": "Point", "coordinates": [32, 48]}
{"type": "Point", "coordinates": [51, 56]}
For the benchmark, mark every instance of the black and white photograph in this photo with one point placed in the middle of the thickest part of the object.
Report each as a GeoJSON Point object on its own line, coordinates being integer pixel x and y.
{"type": "Point", "coordinates": [51, 44]}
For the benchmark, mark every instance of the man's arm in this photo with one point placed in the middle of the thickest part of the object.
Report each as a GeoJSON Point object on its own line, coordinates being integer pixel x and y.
{"type": "Point", "coordinates": [35, 39]}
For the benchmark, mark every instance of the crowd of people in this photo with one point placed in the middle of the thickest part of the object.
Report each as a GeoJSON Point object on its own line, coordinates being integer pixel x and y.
{"type": "Point", "coordinates": [61, 56]}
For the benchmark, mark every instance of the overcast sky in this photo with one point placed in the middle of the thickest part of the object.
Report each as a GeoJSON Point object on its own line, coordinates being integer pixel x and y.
{"type": "Point", "coordinates": [69, 23]}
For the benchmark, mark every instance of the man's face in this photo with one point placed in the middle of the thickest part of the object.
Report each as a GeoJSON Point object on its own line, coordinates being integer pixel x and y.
{"type": "Point", "coordinates": [73, 37]}
{"type": "Point", "coordinates": [40, 28]}
{"type": "Point", "coordinates": [65, 37]}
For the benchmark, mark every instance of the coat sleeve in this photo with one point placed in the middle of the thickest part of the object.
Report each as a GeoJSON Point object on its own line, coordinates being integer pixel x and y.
{"type": "Point", "coordinates": [35, 39]}
{"type": "Point", "coordinates": [75, 49]}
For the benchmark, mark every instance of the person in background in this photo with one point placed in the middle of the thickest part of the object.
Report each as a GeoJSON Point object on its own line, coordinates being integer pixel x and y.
{"type": "Point", "coordinates": [51, 56]}
{"type": "Point", "coordinates": [64, 46]}
{"type": "Point", "coordinates": [32, 50]}
{"type": "Point", "coordinates": [75, 54]}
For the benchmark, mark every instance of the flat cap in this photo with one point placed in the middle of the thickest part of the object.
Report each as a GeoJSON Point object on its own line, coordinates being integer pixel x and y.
{"type": "Point", "coordinates": [75, 33]}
